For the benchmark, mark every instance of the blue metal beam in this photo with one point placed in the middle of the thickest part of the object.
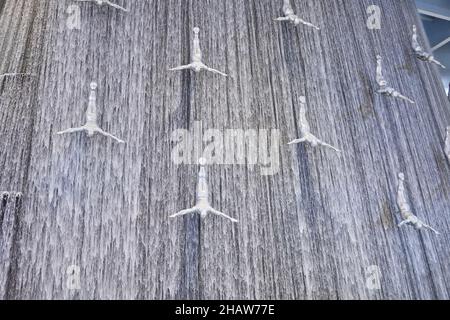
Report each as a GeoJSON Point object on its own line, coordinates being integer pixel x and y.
{"type": "Point", "coordinates": [437, 9]}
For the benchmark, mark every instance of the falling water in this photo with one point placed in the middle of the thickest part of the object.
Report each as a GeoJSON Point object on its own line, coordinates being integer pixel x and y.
{"type": "Point", "coordinates": [309, 231]}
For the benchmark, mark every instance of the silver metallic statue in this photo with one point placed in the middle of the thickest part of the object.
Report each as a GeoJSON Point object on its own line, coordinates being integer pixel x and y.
{"type": "Point", "coordinates": [202, 207]}
{"type": "Point", "coordinates": [102, 2]}
{"type": "Point", "coordinates": [91, 127]}
{"type": "Point", "coordinates": [197, 65]}
{"type": "Point", "coordinates": [420, 52]}
{"type": "Point", "coordinates": [408, 217]}
{"type": "Point", "coordinates": [383, 85]}
{"type": "Point", "coordinates": [305, 130]}
{"type": "Point", "coordinates": [291, 17]}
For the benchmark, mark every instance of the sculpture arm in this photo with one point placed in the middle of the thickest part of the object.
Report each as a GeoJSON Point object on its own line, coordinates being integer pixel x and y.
{"type": "Point", "coordinates": [400, 96]}
{"type": "Point", "coordinates": [188, 66]}
{"type": "Point", "coordinates": [430, 228]}
{"type": "Point", "coordinates": [71, 130]}
{"type": "Point", "coordinates": [328, 146]}
{"type": "Point", "coordinates": [183, 212]}
{"type": "Point", "coordinates": [297, 141]}
{"type": "Point", "coordinates": [215, 71]}
{"type": "Point", "coordinates": [109, 135]}
{"type": "Point", "coordinates": [116, 6]}
{"type": "Point", "coordinates": [216, 212]}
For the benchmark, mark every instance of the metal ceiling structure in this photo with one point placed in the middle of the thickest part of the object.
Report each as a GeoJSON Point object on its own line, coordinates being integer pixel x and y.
{"type": "Point", "coordinates": [436, 20]}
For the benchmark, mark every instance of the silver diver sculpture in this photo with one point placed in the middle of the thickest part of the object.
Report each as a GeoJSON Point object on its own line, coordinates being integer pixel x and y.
{"type": "Point", "coordinates": [202, 206]}
{"type": "Point", "coordinates": [305, 130]}
{"type": "Point", "coordinates": [290, 16]}
{"type": "Point", "coordinates": [408, 217]}
{"type": "Point", "coordinates": [421, 54]}
{"type": "Point", "coordinates": [102, 2]}
{"type": "Point", "coordinates": [384, 88]}
{"type": "Point", "coordinates": [91, 127]}
{"type": "Point", "coordinates": [197, 65]}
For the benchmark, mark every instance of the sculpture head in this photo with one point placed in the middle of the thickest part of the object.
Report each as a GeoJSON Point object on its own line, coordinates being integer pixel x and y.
{"type": "Point", "coordinates": [401, 177]}
{"type": "Point", "coordinates": [196, 30]}
{"type": "Point", "coordinates": [296, 20]}
{"type": "Point", "coordinates": [90, 133]}
{"type": "Point", "coordinates": [93, 85]}
{"type": "Point", "coordinates": [197, 66]}
{"type": "Point", "coordinates": [312, 140]}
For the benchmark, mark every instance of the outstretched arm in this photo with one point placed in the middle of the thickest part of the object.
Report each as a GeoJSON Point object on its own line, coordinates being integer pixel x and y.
{"type": "Point", "coordinates": [430, 228]}
{"type": "Point", "coordinates": [306, 23]}
{"type": "Point", "coordinates": [297, 141]}
{"type": "Point", "coordinates": [433, 60]}
{"type": "Point", "coordinates": [282, 19]}
{"type": "Point", "coordinates": [108, 3]}
{"type": "Point", "coordinates": [188, 66]}
{"type": "Point", "coordinates": [71, 130]}
{"type": "Point", "coordinates": [400, 96]}
{"type": "Point", "coordinates": [109, 135]}
{"type": "Point", "coordinates": [215, 71]}
{"type": "Point", "coordinates": [401, 224]}
{"type": "Point", "coordinates": [214, 211]}
{"type": "Point", "coordinates": [183, 212]}
{"type": "Point", "coordinates": [329, 146]}
{"type": "Point", "coordinates": [116, 6]}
